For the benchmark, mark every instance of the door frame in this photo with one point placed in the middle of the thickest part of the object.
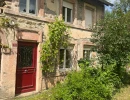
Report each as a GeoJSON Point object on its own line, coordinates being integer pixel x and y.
{"type": "Point", "coordinates": [27, 43]}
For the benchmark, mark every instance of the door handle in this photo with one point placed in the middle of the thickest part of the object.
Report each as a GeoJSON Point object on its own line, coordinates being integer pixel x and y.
{"type": "Point", "coordinates": [25, 71]}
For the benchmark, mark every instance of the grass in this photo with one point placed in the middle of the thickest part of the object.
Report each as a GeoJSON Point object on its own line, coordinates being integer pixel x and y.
{"type": "Point", "coordinates": [124, 94]}
{"type": "Point", "coordinates": [45, 95]}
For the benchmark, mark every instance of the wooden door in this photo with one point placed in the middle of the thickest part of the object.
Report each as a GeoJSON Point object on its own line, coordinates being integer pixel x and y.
{"type": "Point", "coordinates": [26, 67]}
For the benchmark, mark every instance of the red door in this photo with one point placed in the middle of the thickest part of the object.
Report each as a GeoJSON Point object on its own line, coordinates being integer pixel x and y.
{"type": "Point", "coordinates": [26, 67]}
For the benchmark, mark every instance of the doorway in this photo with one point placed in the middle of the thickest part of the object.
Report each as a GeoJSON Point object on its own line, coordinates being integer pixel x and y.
{"type": "Point", "coordinates": [26, 67]}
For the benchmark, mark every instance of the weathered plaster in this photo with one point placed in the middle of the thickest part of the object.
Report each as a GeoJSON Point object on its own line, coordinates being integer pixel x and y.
{"type": "Point", "coordinates": [33, 28]}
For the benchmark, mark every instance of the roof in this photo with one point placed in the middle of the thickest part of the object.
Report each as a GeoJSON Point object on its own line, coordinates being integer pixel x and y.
{"type": "Point", "coordinates": [101, 1]}
{"type": "Point", "coordinates": [106, 2]}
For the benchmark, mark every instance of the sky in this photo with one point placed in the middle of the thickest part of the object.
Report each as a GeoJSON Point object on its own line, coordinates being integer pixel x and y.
{"type": "Point", "coordinates": [112, 1]}
{"type": "Point", "coordinates": [108, 7]}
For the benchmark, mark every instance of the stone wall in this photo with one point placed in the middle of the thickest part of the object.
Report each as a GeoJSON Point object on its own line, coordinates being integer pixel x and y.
{"type": "Point", "coordinates": [51, 8]}
{"type": "Point", "coordinates": [34, 28]}
{"type": "Point", "coordinates": [28, 30]}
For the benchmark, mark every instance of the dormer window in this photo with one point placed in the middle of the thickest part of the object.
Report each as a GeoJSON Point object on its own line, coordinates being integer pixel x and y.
{"type": "Point", "coordinates": [27, 6]}
{"type": "Point", "coordinates": [67, 11]}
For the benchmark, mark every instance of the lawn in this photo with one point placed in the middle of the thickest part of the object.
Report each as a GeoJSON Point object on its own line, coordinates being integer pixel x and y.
{"type": "Point", "coordinates": [124, 94]}
{"type": "Point", "coordinates": [45, 95]}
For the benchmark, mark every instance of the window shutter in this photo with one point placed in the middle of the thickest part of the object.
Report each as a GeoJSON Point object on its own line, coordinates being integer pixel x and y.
{"type": "Point", "coordinates": [88, 18]}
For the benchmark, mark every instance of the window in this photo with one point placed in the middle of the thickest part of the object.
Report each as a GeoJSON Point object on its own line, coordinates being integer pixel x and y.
{"type": "Point", "coordinates": [86, 54]}
{"type": "Point", "coordinates": [65, 58]}
{"type": "Point", "coordinates": [28, 6]}
{"type": "Point", "coordinates": [88, 18]}
{"type": "Point", "coordinates": [67, 11]}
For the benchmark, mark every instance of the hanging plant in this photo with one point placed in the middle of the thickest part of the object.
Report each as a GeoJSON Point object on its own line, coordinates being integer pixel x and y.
{"type": "Point", "coordinates": [4, 46]}
{"type": "Point", "coordinates": [6, 23]}
{"type": "Point", "coordinates": [58, 36]}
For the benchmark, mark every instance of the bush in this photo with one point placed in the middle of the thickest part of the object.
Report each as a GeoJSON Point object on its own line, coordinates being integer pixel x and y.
{"type": "Point", "coordinates": [88, 84]}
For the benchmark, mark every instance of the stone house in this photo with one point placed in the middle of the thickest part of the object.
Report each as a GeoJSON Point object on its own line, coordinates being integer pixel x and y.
{"type": "Point", "coordinates": [20, 68]}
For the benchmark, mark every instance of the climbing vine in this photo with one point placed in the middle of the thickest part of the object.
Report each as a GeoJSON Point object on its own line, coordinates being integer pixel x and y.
{"type": "Point", "coordinates": [58, 37]}
{"type": "Point", "coordinates": [6, 23]}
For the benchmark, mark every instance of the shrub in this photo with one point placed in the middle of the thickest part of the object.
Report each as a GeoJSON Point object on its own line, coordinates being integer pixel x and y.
{"type": "Point", "coordinates": [88, 84]}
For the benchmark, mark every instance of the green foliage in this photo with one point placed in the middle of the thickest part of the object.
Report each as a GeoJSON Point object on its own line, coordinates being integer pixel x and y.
{"type": "Point", "coordinates": [58, 36]}
{"type": "Point", "coordinates": [112, 38]}
{"type": "Point", "coordinates": [6, 23]}
{"type": "Point", "coordinates": [83, 63]}
{"type": "Point", "coordinates": [123, 4]}
{"type": "Point", "coordinates": [88, 84]}
{"type": "Point", "coordinates": [4, 46]}
{"type": "Point", "coordinates": [2, 3]}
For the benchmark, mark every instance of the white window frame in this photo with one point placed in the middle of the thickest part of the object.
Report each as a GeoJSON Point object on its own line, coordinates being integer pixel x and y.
{"type": "Point", "coordinates": [70, 6]}
{"type": "Point", "coordinates": [64, 63]}
{"type": "Point", "coordinates": [27, 8]}
{"type": "Point", "coordinates": [87, 49]}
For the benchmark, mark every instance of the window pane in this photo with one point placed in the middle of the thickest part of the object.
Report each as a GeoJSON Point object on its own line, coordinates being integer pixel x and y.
{"type": "Point", "coordinates": [32, 6]}
{"type": "Point", "coordinates": [61, 58]}
{"type": "Point", "coordinates": [68, 59]}
{"type": "Point", "coordinates": [69, 15]}
{"type": "Point", "coordinates": [63, 13]}
{"type": "Point", "coordinates": [22, 5]}
{"type": "Point", "coordinates": [88, 18]}
{"type": "Point", "coordinates": [86, 54]}
{"type": "Point", "coordinates": [25, 56]}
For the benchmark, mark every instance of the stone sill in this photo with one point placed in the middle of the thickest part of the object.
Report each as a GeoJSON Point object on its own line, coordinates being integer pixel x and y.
{"type": "Point", "coordinates": [59, 73]}
{"type": "Point", "coordinates": [43, 19]}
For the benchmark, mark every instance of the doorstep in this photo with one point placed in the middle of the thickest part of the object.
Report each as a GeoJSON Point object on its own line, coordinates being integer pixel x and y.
{"type": "Point", "coordinates": [25, 94]}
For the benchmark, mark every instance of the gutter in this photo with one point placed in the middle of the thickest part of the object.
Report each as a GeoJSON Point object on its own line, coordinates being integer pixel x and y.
{"type": "Point", "coordinates": [106, 2]}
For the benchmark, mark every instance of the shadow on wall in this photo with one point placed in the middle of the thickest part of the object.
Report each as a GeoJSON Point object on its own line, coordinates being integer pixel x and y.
{"type": "Point", "coordinates": [51, 79]}
{"type": "Point", "coordinates": [48, 12]}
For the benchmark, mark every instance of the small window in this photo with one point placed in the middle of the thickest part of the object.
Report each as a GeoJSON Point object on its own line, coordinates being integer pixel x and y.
{"type": "Point", "coordinates": [67, 11]}
{"type": "Point", "coordinates": [65, 58]}
{"type": "Point", "coordinates": [86, 54]}
{"type": "Point", "coordinates": [88, 18]}
{"type": "Point", "coordinates": [28, 6]}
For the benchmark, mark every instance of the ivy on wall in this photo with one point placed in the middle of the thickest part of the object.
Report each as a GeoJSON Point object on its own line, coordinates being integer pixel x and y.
{"type": "Point", "coordinates": [58, 37]}
{"type": "Point", "coordinates": [6, 23]}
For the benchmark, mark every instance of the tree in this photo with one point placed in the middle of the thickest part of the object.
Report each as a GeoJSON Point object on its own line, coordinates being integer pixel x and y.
{"type": "Point", "coordinates": [111, 37]}
{"type": "Point", "coordinates": [123, 4]}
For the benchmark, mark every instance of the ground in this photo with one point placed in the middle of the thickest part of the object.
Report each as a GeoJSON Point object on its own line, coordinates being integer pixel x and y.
{"type": "Point", "coordinates": [124, 94]}
{"type": "Point", "coordinates": [2, 95]}
{"type": "Point", "coordinates": [40, 96]}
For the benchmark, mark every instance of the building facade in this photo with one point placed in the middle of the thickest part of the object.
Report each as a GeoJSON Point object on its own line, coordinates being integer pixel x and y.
{"type": "Point", "coordinates": [20, 69]}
